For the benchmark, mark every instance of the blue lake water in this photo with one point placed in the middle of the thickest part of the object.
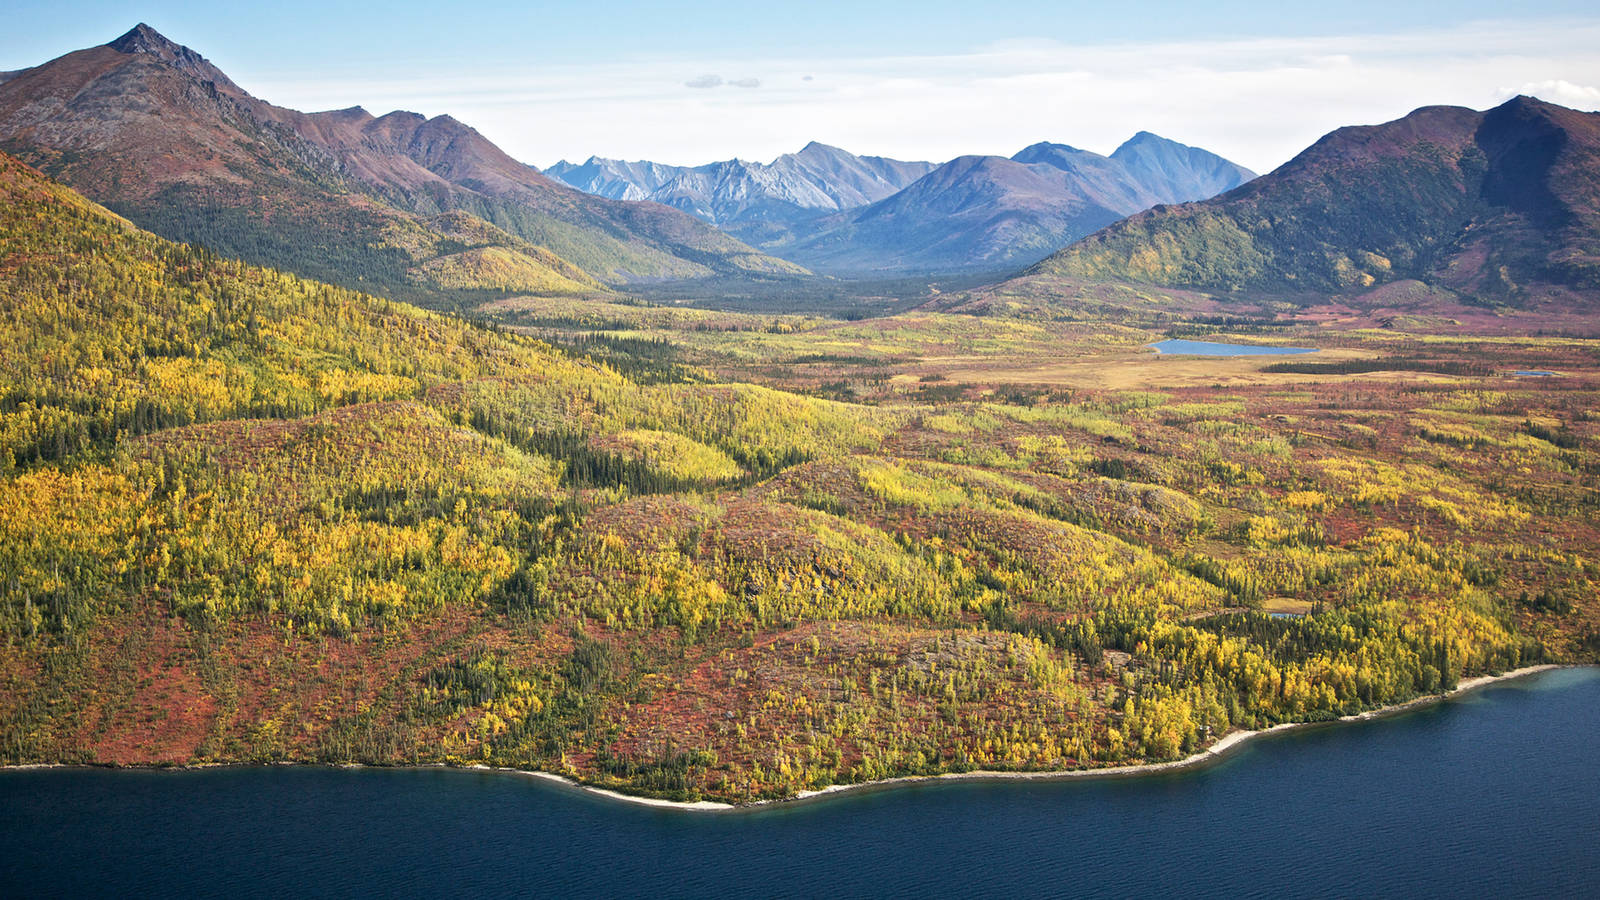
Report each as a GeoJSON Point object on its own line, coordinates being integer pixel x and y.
{"type": "Point", "coordinates": [1492, 794]}
{"type": "Point", "coordinates": [1212, 348]}
{"type": "Point", "coordinates": [1538, 373]}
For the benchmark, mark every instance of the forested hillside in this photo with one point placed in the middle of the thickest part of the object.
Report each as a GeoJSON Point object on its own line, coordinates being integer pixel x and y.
{"type": "Point", "coordinates": [1499, 206]}
{"type": "Point", "coordinates": [249, 517]}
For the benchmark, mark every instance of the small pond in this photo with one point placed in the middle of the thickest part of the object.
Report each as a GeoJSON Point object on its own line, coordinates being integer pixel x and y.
{"type": "Point", "coordinates": [1213, 348]}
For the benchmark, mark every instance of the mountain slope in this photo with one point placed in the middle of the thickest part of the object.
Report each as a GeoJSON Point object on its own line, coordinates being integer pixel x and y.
{"type": "Point", "coordinates": [972, 212]}
{"type": "Point", "coordinates": [157, 132]}
{"type": "Point", "coordinates": [615, 178]}
{"type": "Point", "coordinates": [988, 212]}
{"type": "Point", "coordinates": [1176, 173]}
{"type": "Point", "coordinates": [1483, 203]}
{"type": "Point", "coordinates": [434, 164]}
{"type": "Point", "coordinates": [764, 203]}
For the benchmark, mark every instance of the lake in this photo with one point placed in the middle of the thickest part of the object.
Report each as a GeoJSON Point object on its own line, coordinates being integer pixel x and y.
{"type": "Point", "coordinates": [1212, 348]}
{"type": "Point", "coordinates": [1491, 794]}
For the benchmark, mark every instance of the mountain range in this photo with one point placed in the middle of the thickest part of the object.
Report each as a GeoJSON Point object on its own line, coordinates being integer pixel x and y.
{"type": "Point", "coordinates": [429, 210]}
{"type": "Point", "coordinates": [757, 202]}
{"type": "Point", "coordinates": [840, 213]}
{"type": "Point", "coordinates": [1499, 204]}
{"type": "Point", "coordinates": [158, 133]}
{"type": "Point", "coordinates": [1502, 204]}
{"type": "Point", "coordinates": [994, 213]}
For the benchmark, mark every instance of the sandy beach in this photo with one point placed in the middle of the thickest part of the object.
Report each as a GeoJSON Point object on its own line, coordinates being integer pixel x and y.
{"type": "Point", "coordinates": [1210, 754]}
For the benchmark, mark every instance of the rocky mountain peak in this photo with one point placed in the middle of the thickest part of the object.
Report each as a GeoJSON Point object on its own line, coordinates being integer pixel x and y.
{"type": "Point", "coordinates": [817, 148]}
{"type": "Point", "coordinates": [144, 39]}
{"type": "Point", "coordinates": [1044, 147]}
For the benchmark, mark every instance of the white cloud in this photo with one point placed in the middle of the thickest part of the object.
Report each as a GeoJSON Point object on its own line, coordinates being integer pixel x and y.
{"type": "Point", "coordinates": [1557, 90]}
{"type": "Point", "coordinates": [1255, 101]}
{"type": "Point", "coordinates": [705, 82]}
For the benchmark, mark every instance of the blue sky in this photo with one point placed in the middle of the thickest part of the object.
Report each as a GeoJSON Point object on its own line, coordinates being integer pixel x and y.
{"type": "Point", "coordinates": [691, 83]}
{"type": "Point", "coordinates": [296, 33]}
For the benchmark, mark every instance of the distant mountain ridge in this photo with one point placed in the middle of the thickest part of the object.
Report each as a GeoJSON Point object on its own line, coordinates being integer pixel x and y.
{"type": "Point", "coordinates": [615, 178]}
{"type": "Point", "coordinates": [1174, 170]}
{"type": "Point", "coordinates": [994, 213]}
{"type": "Point", "coordinates": [1485, 204]}
{"type": "Point", "coordinates": [154, 130]}
{"type": "Point", "coordinates": [758, 202]}
{"type": "Point", "coordinates": [840, 213]}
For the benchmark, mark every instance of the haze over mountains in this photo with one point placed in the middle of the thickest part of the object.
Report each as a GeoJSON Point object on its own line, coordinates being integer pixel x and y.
{"type": "Point", "coordinates": [1502, 204]}
{"type": "Point", "coordinates": [840, 213]}
{"type": "Point", "coordinates": [158, 133]}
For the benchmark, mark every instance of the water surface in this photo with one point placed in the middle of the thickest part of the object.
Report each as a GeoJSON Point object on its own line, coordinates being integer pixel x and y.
{"type": "Point", "coordinates": [1493, 794]}
{"type": "Point", "coordinates": [1212, 348]}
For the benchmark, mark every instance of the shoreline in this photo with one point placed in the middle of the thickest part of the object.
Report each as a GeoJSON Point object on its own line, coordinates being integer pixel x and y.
{"type": "Point", "coordinates": [1209, 755]}
{"type": "Point", "coordinates": [1200, 758]}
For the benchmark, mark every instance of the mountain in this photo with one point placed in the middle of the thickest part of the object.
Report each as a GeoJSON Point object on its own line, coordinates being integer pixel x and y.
{"type": "Point", "coordinates": [764, 203]}
{"type": "Point", "coordinates": [973, 212]}
{"type": "Point", "coordinates": [1503, 203]}
{"type": "Point", "coordinates": [615, 178]}
{"type": "Point", "coordinates": [846, 214]}
{"type": "Point", "coordinates": [161, 135]}
{"type": "Point", "coordinates": [976, 213]}
{"type": "Point", "coordinates": [1177, 173]}
{"type": "Point", "coordinates": [989, 212]}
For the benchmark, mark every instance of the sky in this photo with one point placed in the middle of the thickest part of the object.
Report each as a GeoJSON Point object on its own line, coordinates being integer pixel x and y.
{"type": "Point", "coordinates": [692, 83]}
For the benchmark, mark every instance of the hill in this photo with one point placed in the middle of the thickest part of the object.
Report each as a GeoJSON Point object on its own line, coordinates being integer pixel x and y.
{"type": "Point", "coordinates": [160, 134]}
{"type": "Point", "coordinates": [992, 213]}
{"type": "Point", "coordinates": [1500, 205]}
{"type": "Point", "coordinates": [249, 517]}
